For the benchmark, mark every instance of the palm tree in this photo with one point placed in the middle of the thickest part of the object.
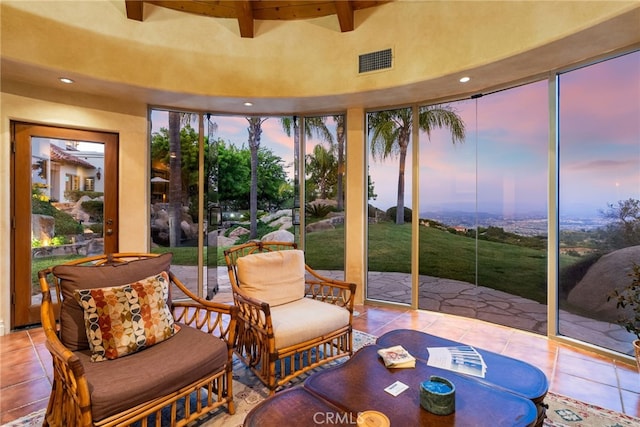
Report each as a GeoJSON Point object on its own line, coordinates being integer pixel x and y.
{"type": "Point", "coordinates": [340, 128]}
{"type": "Point", "coordinates": [175, 183]}
{"type": "Point", "coordinates": [390, 132]}
{"type": "Point", "coordinates": [312, 125]}
{"type": "Point", "coordinates": [178, 196]}
{"type": "Point", "coordinates": [322, 166]}
{"type": "Point", "coordinates": [255, 132]}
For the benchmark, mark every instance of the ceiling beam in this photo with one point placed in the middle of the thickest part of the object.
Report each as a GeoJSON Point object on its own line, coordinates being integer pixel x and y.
{"type": "Point", "coordinates": [134, 9]}
{"type": "Point", "coordinates": [244, 11]}
{"type": "Point", "coordinates": [344, 10]}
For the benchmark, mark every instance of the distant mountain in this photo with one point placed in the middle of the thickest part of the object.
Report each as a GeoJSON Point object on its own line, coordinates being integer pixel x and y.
{"type": "Point", "coordinates": [529, 224]}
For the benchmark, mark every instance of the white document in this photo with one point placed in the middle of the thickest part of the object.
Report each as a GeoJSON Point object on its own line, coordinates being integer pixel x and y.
{"type": "Point", "coordinates": [396, 388]}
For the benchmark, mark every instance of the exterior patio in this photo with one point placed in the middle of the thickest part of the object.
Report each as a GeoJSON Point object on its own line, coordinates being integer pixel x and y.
{"type": "Point", "coordinates": [463, 299]}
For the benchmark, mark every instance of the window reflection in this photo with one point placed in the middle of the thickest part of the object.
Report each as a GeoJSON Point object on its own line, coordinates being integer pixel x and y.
{"type": "Point", "coordinates": [599, 176]}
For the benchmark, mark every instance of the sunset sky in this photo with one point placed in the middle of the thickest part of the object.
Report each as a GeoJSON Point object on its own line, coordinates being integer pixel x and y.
{"type": "Point", "coordinates": [507, 145]}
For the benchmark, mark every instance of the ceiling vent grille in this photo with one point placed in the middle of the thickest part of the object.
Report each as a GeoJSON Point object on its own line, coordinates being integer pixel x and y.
{"type": "Point", "coordinates": [375, 61]}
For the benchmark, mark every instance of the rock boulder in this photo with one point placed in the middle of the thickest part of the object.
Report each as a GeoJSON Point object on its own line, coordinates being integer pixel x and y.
{"type": "Point", "coordinates": [608, 273]}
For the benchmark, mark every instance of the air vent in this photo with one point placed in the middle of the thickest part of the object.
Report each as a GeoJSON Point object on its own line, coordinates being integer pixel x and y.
{"type": "Point", "coordinates": [374, 61]}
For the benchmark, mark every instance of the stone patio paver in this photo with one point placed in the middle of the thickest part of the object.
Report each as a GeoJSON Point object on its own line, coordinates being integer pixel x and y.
{"type": "Point", "coordinates": [463, 299]}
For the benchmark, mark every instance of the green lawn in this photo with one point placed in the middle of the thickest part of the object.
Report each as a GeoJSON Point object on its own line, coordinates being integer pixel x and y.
{"type": "Point", "coordinates": [514, 269]}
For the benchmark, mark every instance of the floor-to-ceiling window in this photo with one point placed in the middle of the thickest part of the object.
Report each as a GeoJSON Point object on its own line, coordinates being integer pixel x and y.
{"type": "Point", "coordinates": [389, 205]}
{"type": "Point", "coordinates": [482, 192]}
{"type": "Point", "coordinates": [175, 193]}
{"type": "Point", "coordinates": [599, 196]}
{"type": "Point", "coordinates": [324, 193]}
{"type": "Point", "coordinates": [249, 169]}
{"type": "Point", "coordinates": [484, 209]}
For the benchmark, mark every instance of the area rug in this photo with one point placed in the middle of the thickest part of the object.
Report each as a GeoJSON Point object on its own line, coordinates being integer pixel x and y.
{"type": "Point", "coordinates": [567, 412]}
{"type": "Point", "coordinates": [248, 391]}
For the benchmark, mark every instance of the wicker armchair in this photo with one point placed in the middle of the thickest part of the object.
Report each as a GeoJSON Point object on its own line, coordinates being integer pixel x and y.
{"type": "Point", "coordinates": [290, 319]}
{"type": "Point", "coordinates": [175, 378]}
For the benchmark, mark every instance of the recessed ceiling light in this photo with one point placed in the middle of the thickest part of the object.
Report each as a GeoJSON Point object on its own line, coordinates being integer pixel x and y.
{"type": "Point", "coordinates": [66, 80]}
{"type": "Point", "coordinates": [248, 104]}
{"type": "Point", "coordinates": [465, 79]}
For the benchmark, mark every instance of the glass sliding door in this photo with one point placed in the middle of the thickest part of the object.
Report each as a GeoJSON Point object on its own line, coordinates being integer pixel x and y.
{"type": "Point", "coordinates": [259, 152]}
{"type": "Point", "coordinates": [215, 268]}
{"type": "Point", "coordinates": [599, 197]}
{"type": "Point", "coordinates": [483, 204]}
{"type": "Point", "coordinates": [512, 143]}
{"type": "Point", "coordinates": [448, 197]}
{"type": "Point", "coordinates": [324, 162]}
{"type": "Point", "coordinates": [174, 184]}
{"type": "Point", "coordinates": [389, 207]}
{"type": "Point", "coordinates": [217, 181]}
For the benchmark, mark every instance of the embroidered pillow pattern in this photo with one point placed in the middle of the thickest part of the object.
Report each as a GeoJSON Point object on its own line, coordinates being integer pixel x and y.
{"type": "Point", "coordinates": [125, 319]}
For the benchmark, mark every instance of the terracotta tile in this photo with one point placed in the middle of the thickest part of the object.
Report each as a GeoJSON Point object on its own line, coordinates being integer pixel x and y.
{"type": "Point", "coordinates": [628, 377]}
{"type": "Point", "coordinates": [37, 335]}
{"type": "Point", "coordinates": [26, 354]}
{"type": "Point", "coordinates": [18, 373]}
{"type": "Point", "coordinates": [22, 411]}
{"type": "Point", "coordinates": [588, 391]}
{"type": "Point", "coordinates": [449, 328]}
{"type": "Point", "coordinates": [369, 326]}
{"type": "Point", "coordinates": [405, 321]}
{"type": "Point", "coordinates": [579, 373]}
{"type": "Point", "coordinates": [545, 360]}
{"type": "Point", "coordinates": [593, 369]}
{"type": "Point", "coordinates": [485, 341]}
{"type": "Point", "coordinates": [631, 402]}
{"type": "Point", "coordinates": [24, 393]}
{"type": "Point", "coordinates": [14, 341]}
{"type": "Point", "coordinates": [43, 354]}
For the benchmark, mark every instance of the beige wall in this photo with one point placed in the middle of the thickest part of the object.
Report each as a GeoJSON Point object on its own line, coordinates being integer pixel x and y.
{"type": "Point", "coordinates": [204, 60]}
{"type": "Point", "coordinates": [193, 62]}
{"type": "Point", "coordinates": [39, 105]}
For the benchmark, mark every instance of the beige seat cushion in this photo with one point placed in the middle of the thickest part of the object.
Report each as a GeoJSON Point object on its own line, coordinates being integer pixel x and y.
{"type": "Point", "coordinates": [304, 319]}
{"type": "Point", "coordinates": [121, 383]}
{"type": "Point", "coordinates": [273, 277]}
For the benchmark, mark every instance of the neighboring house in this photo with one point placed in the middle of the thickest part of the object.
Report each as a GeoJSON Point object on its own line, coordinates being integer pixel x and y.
{"type": "Point", "coordinates": [58, 168]}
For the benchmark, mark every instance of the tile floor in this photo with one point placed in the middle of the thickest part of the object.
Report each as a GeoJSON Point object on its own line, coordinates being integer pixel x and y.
{"type": "Point", "coordinates": [25, 365]}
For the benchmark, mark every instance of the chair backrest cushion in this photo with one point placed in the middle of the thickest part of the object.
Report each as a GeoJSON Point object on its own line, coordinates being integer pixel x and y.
{"type": "Point", "coordinates": [74, 277]}
{"type": "Point", "coordinates": [122, 320]}
{"type": "Point", "coordinates": [273, 277]}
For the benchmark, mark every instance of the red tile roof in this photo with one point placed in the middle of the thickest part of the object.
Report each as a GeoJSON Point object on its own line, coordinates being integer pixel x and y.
{"type": "Point", "coordinates": [59, 155]}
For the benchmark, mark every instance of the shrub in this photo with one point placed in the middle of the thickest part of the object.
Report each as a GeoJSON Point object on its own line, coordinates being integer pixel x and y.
{"type": "Point", "coordinates": [97, 228]}
{"type": "Point", "coordinates": [318, 210]}
{"type": "Point", "coordinates": [629, 298]}
{"type": "Point", "coordinates": [75, 195]}
{"type": "Point", "coordinates": [65, 224]}
{"type": "Point", "coordinates": [391, 214]}
{"type": "Point", "coordinates": [94, 208]}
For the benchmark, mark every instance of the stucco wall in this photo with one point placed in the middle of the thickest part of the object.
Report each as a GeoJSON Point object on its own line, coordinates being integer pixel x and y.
{"type": "Point", "coordinates": [196, 56]}
{"type": "Point", "coordinates": [46, 107]}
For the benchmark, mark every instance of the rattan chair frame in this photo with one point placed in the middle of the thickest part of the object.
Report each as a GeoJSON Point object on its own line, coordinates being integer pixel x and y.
{"type": "Point", "coordinates": [70, 400]}
{"type": "Point", "coordinates": [255, 339]}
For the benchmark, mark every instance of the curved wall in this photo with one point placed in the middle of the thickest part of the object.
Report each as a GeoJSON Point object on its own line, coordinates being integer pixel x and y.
{"type": "Point", "coordinates": [186, 61]}
{"type": "Point", "coordinates": [192, 55]}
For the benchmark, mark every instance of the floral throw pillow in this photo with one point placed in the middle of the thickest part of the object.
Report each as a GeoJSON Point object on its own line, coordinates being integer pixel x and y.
{"type": "Point", "coordinates": [121, 320]}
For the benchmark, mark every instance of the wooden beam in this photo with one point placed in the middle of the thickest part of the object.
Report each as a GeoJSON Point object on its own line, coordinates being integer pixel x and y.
{"type": "Point", "coordinates": [134, 9]}
{"type": "Point", "coordinates": [344, 10]}
{"type": "Point", "coordinates": [245, 18]}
